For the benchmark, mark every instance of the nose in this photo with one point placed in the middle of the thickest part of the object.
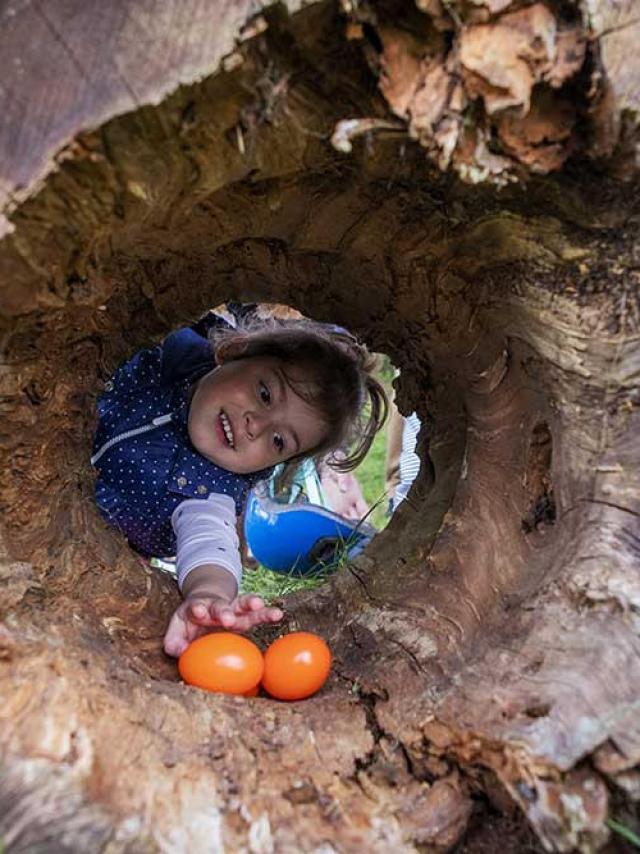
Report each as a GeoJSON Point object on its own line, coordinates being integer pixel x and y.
{"type": "Point", "coordinates": [254, 425]}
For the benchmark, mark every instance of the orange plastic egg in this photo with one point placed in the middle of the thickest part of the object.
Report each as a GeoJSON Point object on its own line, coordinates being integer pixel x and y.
{"type": "Point", "coordinates": [296, 666]}
{"type": "Point", "coordinates": [222, 661]}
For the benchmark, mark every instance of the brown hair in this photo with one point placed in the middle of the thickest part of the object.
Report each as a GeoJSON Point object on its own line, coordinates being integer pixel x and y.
{"type": "Point", "coordinates": [338, 380]}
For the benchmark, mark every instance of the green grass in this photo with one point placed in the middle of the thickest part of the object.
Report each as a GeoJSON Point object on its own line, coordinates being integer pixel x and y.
{"type": "Point", "coordinates": [370, 473]}
{"type": "Point", "coordinates": [625, 832]}
{"type": "Point", "coordinates": [274, 585]}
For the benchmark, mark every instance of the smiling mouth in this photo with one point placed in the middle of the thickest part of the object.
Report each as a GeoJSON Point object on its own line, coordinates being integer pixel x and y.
{"type": "Point", "coordinates": [226, 428]}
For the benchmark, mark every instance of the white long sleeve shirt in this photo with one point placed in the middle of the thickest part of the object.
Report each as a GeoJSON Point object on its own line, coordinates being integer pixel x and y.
{"type": "Point", "coordinates": [206, 533]}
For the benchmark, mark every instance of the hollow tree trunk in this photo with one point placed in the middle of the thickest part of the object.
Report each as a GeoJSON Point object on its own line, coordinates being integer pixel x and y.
{"type": "Point", "coordinates": [159, 158]}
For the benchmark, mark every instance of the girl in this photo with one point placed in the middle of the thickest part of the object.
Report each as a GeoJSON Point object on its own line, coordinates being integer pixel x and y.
{"type": "Point", "coordinates": [188, 427]}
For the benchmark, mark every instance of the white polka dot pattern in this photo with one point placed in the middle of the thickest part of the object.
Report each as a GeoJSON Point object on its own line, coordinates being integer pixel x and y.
{"type": "Point", "coordinates": [144, 478]}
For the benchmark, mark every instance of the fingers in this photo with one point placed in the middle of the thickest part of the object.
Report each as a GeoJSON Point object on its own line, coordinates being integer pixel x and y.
{"type": "Point", "coordinates": [197, 611]}
{"type": "Point", "coordinates": [252, 610]}
{"type": "Point", "coordinates": [248, 602]}
{"type": "Point", "coordinates": [210, 612]}
{"type": "Point", "coordinates": [265, 615]}
{"type": "Point", "coordinates": [174, 646]}
{"type": "Point", "coordinates": [254, 618]}
{"type": "Point", "coordinates": [176, 638]}
{"type": "Point", "coordinates": [195, 616]}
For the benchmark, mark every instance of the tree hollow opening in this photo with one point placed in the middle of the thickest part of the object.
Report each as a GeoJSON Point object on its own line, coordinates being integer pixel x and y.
{"type": "Point", "coordinates": [511, 564]}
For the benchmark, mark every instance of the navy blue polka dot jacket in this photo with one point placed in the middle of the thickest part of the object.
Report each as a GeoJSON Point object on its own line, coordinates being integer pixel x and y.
{"type": "Point", "coordinates": [146, 464]}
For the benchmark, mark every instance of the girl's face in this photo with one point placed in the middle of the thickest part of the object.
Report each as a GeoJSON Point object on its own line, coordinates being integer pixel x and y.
{"type": "Point", "coordinates": [245, 417]}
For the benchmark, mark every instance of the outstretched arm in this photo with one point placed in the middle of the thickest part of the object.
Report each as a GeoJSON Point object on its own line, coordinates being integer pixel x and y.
{"type": "Point", "coordinates": [209, 570]}
{"type": "Point", "coordinates": [210, 600]}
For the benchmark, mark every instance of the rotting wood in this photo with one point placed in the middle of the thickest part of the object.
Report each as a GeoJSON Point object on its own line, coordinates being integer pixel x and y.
{"type": "Point", "coordinates": [476, 639]}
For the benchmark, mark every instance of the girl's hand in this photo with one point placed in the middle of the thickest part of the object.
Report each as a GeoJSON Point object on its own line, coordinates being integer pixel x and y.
{"type": "Point", "coordinates": [344, 494]}
{"type": "Point", "coordinates": [197, 615]}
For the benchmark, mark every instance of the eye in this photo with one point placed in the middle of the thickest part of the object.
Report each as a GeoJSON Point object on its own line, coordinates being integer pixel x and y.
{"type": "Point", "coordinates": [278, 442]}
{"type": "Point", "coordinates": [264, 393]}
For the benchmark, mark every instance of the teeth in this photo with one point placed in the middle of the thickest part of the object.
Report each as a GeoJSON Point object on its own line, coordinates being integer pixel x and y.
{"type": "Point", "coordinates": [226, 426]}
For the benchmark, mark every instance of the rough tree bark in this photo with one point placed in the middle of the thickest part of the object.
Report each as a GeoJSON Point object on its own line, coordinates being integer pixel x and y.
{"type": "Point", "coordinates": [456, 182]}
